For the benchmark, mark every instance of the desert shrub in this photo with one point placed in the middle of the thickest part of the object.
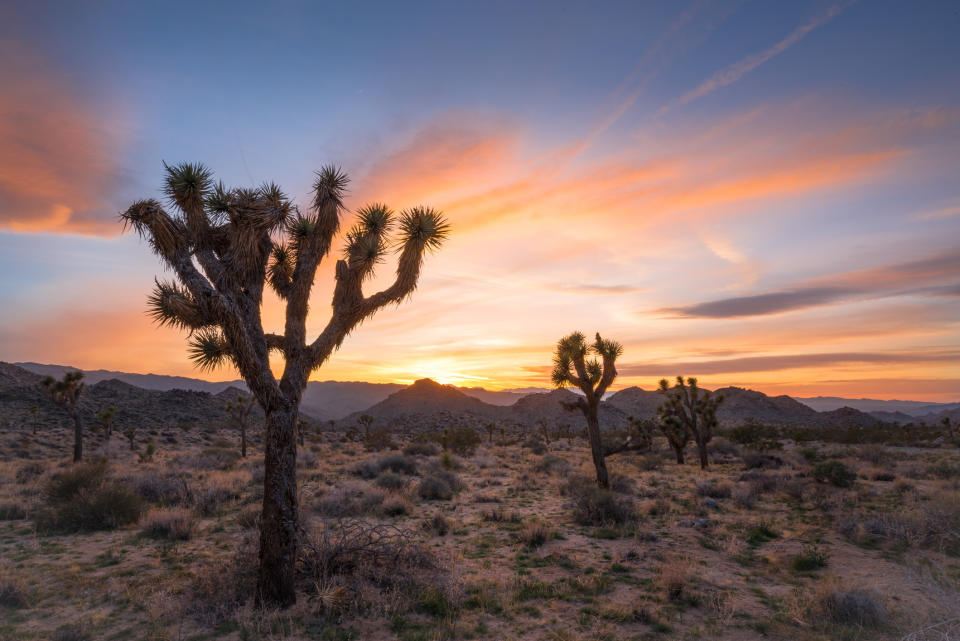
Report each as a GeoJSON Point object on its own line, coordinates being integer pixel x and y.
{"type": "Point", "coordinates": [649, 462]}
{"type": "Point", "coordinates": [437, 524]}
{"type": "Point", "coordinates": [859, 608]}
{"type": "Point", "coordinates": [622, 484]}
{"type": "Point", "coordinates": [208, 500]}
{"type": "Point", "coordinates": [368, 469]}
{"type": "Point", "coordinates": [756, 436]}
{"type": "Point", "coordinates": [351, 566]}
{"type": "Point", "coordinates": [395, 505]}
{"type": "Point", "coordinates": [12, 512]}
{"type": "Point", "coordinates": [421, 448]}
{"type": "Point", "coordinates": [450, 462]}
{"type": "Point", "coordinates": [249, 517]}
{"type": "Point", "coordinates": [172, 524]}
{"type": "Point", "coordinates": [762, 482]}
{"type": "Point", "coordinates": [435, 488]}
{"type": "Point", "coordinates": [535, 445]}
{"type": "Point", "coordinates": [933, 524]}
{"type": "Point", "coordinates": [29, 473]}
{"type": "Point", "coordinates": [883, 476]}
{"type": "Point", "coordinates": [459, 440]}
{"type": "Point", "coordinates": [398, 463]}
{"type": "Point", "coordinates": [306, 459]}
{"type": "Point", "coordinates": [593, 506]}
{"type": "Point", "coordinates": [874, 453]}
{"type": "Point", "coordinates": [391, 481]}
{"type": "Point", "coordinates": [212, 458]}
{"type": "Point", "coordinates": [714, 489]}
{"type": "Point", "coordinates": [674, 578]}
{"type": "Point", "coordinates": [533, 535]}
{"type": "Point", "coordinates": [163, 489]}
{"type": "Point", "coordinates": [379, 439]}
{"type": "Point", "coordinates": [761, 461]}
{"type": "Point", "coordinates": [350, 499]}
{"type": "Point", "coordinates": [835, 473]}
{"type": "Point", "coordinates": [944, 469]}
{"type": "Point", "coordinates": [553, 464]}
{"type": "Point", "coordinates": [760, 533]}
{"type": "Point", "coordinates": [12, 594]}
{"type": "Point", "coordinates": [82, 499]}
{"type": "Point", "coordinates": [722, 448]}
{"type": "Point", "coordinates": [810, 559]}
{"type": "Point", "coordinates": [484, 461]}
{"type": "Point", "coordinates": [810, 454]}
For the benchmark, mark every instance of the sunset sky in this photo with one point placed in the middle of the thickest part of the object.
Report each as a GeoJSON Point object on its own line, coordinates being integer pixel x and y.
{"type": "Point", "coordinates": [763, 194]}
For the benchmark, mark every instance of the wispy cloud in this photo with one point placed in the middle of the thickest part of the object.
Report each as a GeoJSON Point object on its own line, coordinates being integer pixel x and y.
{"type": "Point", "coordinates": [729, 75]}
{"type": "Point", "coordinates": [59, 161]}
{"type": "Point", "coordinates": [919, 277]}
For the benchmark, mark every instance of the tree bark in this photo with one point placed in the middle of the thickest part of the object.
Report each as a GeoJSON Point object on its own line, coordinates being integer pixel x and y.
{"type": "Point", "coordinates": [279, 523]}
{"type": "Point", "coordinates": [77, 437]}
{"type": "Point", "coordinates": [679, 452]}
{"type": "Point", "coordinates": [702, 449]}
{"type": "Point", "coordinates": [596, 448]}
{"type": "Point", "coordinates": [243, 440]}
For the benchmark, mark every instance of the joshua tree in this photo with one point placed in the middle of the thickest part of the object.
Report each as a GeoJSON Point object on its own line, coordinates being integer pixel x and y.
{"type": "Point", "coordinates": [688, 411]}
{"type": "Point", "coordinates": [66, 393]}
{"type": "Point", "coordinates": [546, 432]}
{"type": "Point", "coordinates": [641, 429]}
{"type": "Point", "coordinates": [130, 432]}
{"type": "Point", "coordinates": [239, 410]}
{"type": "Point", "coordinates": [365, 421]}
{"type": "Point", "coordinates": [105, 416]}
{"type": "Point", "coordinates": [951, 430]}
{"type": "Point", "coordinates": [593, 376]}
{"type": "Point", "coordinates": [490, 427]}
{"type": "Point", "coordinates": [224, 246]}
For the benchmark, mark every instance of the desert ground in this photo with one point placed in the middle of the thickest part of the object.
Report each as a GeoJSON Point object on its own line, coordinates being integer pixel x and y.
{"type": "Point", "coordinates": [502, 539]}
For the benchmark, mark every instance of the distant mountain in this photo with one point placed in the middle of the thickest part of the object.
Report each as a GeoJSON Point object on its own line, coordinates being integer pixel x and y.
{"type": "Point", "coordinates": [871, 405]}
{"type": "Point", "coordinates": [322, 400]}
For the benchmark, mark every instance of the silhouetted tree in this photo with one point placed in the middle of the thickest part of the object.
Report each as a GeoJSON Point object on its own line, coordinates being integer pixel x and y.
{"type": "Point", "coordinates": [239, 410]}
{"type": "Point", "coordinates": [571, 366]}
{"type": "Point", "coordinates": [691, 411]}
{"type": "Point", "coordinates": [130, 432]}
{"type": "Point", "coordinates": [66, 393]}
{"type": "Point", "coordinates": [105, 416]}
{"type": "Point", "coordinates": [490, 427]}
{"type": "Point", "coordinates": [224, 246]}
{"type": "Point", "coordinates": [365, 421]}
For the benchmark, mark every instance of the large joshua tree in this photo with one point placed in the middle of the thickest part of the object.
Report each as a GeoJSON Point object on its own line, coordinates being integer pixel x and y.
{"type": "Point", "coordinates": [691, 411]}
{"type": "Point", "coordinates": [592, 369]}
{"type": "Point", "coordinates": [223, 247]}
{"type": "Point", "coordinates": [66, 393]}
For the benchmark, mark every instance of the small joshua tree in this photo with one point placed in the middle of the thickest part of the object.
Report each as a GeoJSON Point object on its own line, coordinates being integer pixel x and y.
{"type": "Point", "coordinates": [105, 416]}
{"type": "Point", "coordinates": [641, 429]}
{"type": "Point", "coordinates": [490, 427]}
{"type": "Point", "coordinates": [66, 393]}
{"type": "Point", "coordinates": [571, 366]}
{"type": "Point", "coordinates": [365, 421]}
{"type": "Point", "coordinates": [130, 432]}
{"type": "Point", "coordinates": [689, 410]}
{"type": "Point", "coordinates": [951, 430]}
{"type": "Point", "coordinates": [239, 410]}
{"type": "Point", "coordinates": [678, 436]}
{"type": "Point", "coordinates": [224, 246]}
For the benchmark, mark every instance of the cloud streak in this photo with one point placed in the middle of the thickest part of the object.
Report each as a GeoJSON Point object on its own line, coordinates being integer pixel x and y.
{"type": "Point", "coordinates": [919, 277]}
{"type": "Point", "coordinates": [731, 74]}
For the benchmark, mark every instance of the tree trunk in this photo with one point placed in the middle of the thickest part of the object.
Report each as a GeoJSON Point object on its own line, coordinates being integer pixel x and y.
{"type": "Point", "coordinates": [679, 452]}
{"type": "Point", "coordinates": [596, 448]}
{"type": "Point", "coordinates": [243, 440]}
{"type": "Point", "coordinates": [278, 525]}
{"type": "Point", "coordinates": [702, 448]}
{"type": "Point", "coordinates": [77, 437]}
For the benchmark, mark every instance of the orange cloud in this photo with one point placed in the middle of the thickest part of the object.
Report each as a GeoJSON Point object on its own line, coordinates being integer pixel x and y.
{"type": "Point", "coordinates": [59, 155]}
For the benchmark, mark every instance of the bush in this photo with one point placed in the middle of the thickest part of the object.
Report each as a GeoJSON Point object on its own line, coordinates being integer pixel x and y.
{"type": "Point", "coordinates": [209, 500]}
{"type": "Point", "coordinates": [82, 499]}
{"type": "Point", "coordinates": [535, 445]}
{"type": "Point", "coordinates": [553, 464]}
{"type": "Point", "coordinates": [353, 498]}
{"type": "Point", "coordinates": [12, 512]}
{"type": "Point", "coordinates": [421, 448]}
{"type": "Point", "coordinates": [533, 535]}
{"type": "Point", "coordinates": [12, 595]}
{"type": "Point", "coordinates": [212, 458]}
{"type": "Point", "coordinates": [459, 440]}
{"type": "Point", "coordinates": [714, 489]}
{"type": "Point", "coordinates": [593, 506]}
{"type": "Point", "coordinates": [379, 439]}
{"type": "Point", "coordinates": [761, 461]}
{"type": "Point", "coordinates": [398, 463]}
{"type": "Point", "coordinates": [810, 559]}
{"type": "Point", "coordinates": [29, 473]}
{"type": "Point", "coordinates": [173, 525]}
{"type": "Point", "coordinates": [858, 608]}
{"type": "Point", "coordinates": [435, 488]}
{"type": "Point", "coordinates": [835, 473]}
{"type": "Point", "coordinates": [395, 505]}
{"type": "Point", "coordinates": [756, 436]}
{"type": "Point", "coordinates": [391, 481]}
{"type": "Point", "coordinates": [164, 489]}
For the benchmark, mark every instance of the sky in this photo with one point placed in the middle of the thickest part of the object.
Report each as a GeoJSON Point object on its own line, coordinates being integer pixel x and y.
{"type": "Point", "coordinates": [759, 194]}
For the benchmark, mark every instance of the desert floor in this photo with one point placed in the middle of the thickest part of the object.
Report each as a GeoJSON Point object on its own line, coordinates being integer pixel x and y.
{"type": "Point", "coordinates": [524, 548]}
